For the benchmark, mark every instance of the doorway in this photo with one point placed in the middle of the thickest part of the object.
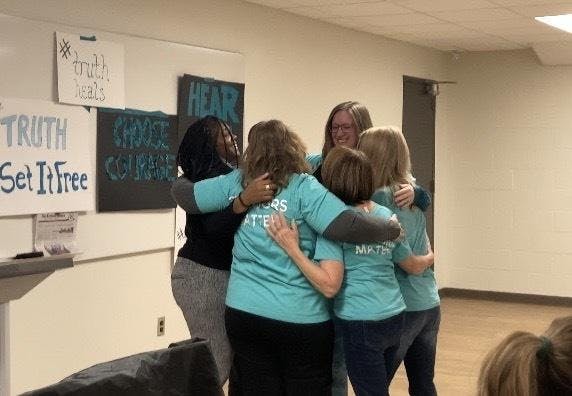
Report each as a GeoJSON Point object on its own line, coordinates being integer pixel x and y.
{"type": "Point", "coordinates": [419, 107]}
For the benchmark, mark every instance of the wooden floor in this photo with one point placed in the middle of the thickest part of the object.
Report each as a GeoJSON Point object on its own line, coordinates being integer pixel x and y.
{"type": "Point", "coordinates": [469, 329]}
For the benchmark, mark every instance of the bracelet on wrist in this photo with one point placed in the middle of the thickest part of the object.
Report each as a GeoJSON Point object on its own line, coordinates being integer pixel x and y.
{"type": "Point", "coordinates": [242, 202]}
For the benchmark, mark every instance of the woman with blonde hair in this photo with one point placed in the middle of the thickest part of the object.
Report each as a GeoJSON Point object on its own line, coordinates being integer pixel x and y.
{"type": "Point", "coordinates": [524, 364]}
{"type": "Point", "coordinates": [387, 151]}
{"type": "Point", "coordinates": [278, 325]}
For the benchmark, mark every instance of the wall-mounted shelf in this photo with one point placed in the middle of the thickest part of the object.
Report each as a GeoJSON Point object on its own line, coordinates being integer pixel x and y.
{"type": "Point", "coordinates": [17, 277]}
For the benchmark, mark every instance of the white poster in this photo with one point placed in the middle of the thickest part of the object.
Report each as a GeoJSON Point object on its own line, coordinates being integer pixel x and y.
{"type": "Point", "coordinates": [91, 72]}
{"type": "Point", "coordinates": [55, 233]}
{"type": "Point", "coordinates": [45, 158]}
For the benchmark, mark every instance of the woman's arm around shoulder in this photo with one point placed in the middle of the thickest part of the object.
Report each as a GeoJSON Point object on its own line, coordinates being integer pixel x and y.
{"type": "Point", "coordinates": [205, 196]}
{"type": "Point", "coordinates": [329, 216]}
{"type": "Point", "coordinates": [422, 198]}
{"type": "Point", "coordinates": [409, 195]}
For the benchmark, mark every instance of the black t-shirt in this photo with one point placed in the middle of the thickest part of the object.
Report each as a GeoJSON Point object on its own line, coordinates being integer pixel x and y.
{"type": "Point", "coordinates": [210, 238]}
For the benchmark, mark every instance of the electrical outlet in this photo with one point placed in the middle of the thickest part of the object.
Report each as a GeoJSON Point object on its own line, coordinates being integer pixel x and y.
{"type": "Point", "coordinates": [160, 326]}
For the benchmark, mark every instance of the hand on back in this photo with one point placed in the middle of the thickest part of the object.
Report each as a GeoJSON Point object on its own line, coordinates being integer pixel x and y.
{"type": "Point", "coordinates": [259, 190]}
{"type": "Point", "coordinates": [404, 196]}
{"type": "Point", "coordinates": [284, 234]}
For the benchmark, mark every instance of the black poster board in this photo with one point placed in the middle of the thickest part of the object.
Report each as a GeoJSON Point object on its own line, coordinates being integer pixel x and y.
{"type": "Point", "coordinates": [199, 97]}
{"type": "Point", "coordinates": [136, 160]}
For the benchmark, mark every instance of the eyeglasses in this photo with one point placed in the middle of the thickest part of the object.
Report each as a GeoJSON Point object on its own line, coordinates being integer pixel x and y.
{"type": "Point", "coordinates": [346, 128]}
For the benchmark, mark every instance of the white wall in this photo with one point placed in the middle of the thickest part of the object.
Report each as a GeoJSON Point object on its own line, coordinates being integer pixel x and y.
{"type": "Point", "coordinates": [92, 313]}
{"type": "Point", "coordinates": [297, 69]}
{"type": "Point", "coordinates": [507, 195]}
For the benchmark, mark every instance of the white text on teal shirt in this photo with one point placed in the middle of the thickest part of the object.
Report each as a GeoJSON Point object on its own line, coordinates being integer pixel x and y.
{"type": "Point", "coordinates": [383, 248]}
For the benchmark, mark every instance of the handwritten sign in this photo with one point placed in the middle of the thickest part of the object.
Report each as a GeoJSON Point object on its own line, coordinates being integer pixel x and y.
{"type": "Point", "coordinates": [44, 158]}
{"type": "Point", "coordinates": [136, 159]}
{"type": "Point", "coordinates": [90, 71]}
{"type": "Point", "coordinates": [199, 97]}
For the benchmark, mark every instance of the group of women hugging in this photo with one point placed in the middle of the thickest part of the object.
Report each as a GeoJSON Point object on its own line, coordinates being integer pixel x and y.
{"type": "Point", "coordinates": [304, 269]}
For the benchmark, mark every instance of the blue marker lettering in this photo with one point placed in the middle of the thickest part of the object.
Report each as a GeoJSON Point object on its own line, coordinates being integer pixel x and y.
{"type": "Point", "coordinates": [9, 178]}
{"type": "Point", "coordinates": [41, 165]}
{"type": "Point", "coordinates": [36, 130]}
{"type": "Point", "coordinates": [49, 122]}
{"type": "Point", "coordinates": [61, 134]}
{"type": "Point", "coordinates": [193, 103]}
{"type": "Point", "coordinates": [8, 121]}
{"type": "Point", "coordinates": [229, 98]}
{"type": "Point", "coordinates": [23, 123]}
{"type": "Point", "coordinates": [215, 103]}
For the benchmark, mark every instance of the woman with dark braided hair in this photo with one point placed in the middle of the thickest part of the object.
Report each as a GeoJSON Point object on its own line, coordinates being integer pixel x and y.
{"type": "Point", "coordinates": [200, 276]}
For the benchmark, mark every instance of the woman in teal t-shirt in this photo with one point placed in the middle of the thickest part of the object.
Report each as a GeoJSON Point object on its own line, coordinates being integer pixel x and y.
{"type": "Point", "coordinates": [369, 304]}
{"type": "Point", "coordinates": [387, 150]}
{"type": "Point", "coordinates": [278, 325]}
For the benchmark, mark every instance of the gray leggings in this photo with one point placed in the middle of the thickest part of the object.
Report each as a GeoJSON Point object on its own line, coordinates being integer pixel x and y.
{"type": "Point", "coordinates": [200, 292]}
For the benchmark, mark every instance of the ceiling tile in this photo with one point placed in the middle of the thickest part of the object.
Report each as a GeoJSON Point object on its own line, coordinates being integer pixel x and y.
{"type": "Point", "coordinates": [451, 33]}
{"type": "Point", "coordinates": [275, 3]}
{"type": "Point", "coordinates": [477, 43]}
{"type": "Point", "coordinates": [363, 9]}
{"type": "Point", "coordinates": [487, 44]}
{"type": "Point", "coordinates": [544, 9]}
{"type": "Point", "coordinates": [306, 11]}
{"type": "Point", "coordinates": [443, 45]}
{"type": "Point", "coordinates": [541, 39]}
{"type": "Point", "coordinates": [467, 25]}
{"type": "Point", "coordinates": [506, 3]}
{"type": "Point", "coordinates": [323, 2]}
{"type": "Point", "coordinates": [483, 14]}
{"type": "Point", "coordinates": [526, 37]}
{"type": "Point", "coordinates": [504, 24]}
{"type": "Point", "coordinates": [444, 5]}
{"type": "Point", "coordinates": [401, 19]}
{"type": "Point", "coordinates": [350, 22]}
{"type": "Point", "coordinates": [441, 32]}
{"type": "Point", "coordinates": [535, 28]}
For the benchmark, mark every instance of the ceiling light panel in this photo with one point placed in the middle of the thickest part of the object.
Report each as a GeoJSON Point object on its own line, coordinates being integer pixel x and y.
{"type": "Point", "coordinates": [562, 22]}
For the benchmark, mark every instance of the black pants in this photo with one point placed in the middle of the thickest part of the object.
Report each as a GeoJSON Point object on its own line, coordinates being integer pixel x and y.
{"type": "Point", "coordinates": [272, 357]}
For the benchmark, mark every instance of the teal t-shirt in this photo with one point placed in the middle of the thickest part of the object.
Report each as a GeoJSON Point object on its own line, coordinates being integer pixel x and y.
{"type": "Point", "coordinates": [370, 290]}
{"type": "Point", "coordinates": [419, 291]}
{"type": "Point", "coordinates": [314, 160]}
{"type": "Point", "coordinates": [264, 280]}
